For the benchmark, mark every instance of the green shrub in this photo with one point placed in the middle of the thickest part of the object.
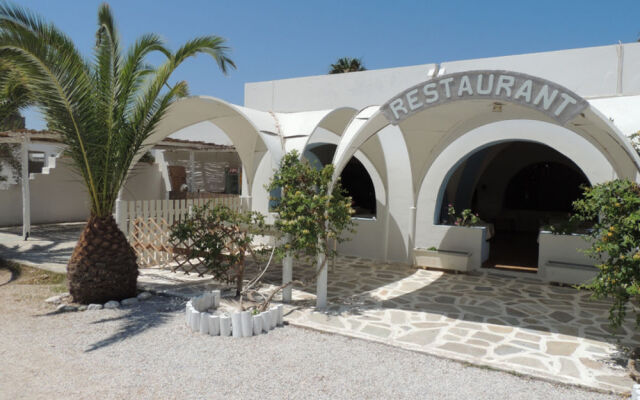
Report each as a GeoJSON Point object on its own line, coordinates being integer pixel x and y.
{"type": "Point", "coordinates": [614, 209]}
{"type": "Point", "coordinates": [220, 238]}
{"type": "Point", "coordinates": [466, 217]}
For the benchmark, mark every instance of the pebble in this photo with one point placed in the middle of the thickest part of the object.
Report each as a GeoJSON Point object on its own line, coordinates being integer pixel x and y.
{"type": "Point", "coordinates": [66, 308]}
{"type": "Point", "coordinates": [82, 308]}
{"type": "Point", "coordinates": [129, 301]}
{"type": "Point", "coordinates": [144, 296]}
{"type": "Point", "coordinates": [56, 299]}
{"type": "Point", "coordinates": [92, 307]}
{"type": "Point", "coordinates": [111, 304]}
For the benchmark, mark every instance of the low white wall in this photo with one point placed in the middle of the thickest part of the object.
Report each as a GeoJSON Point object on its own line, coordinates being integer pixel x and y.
{"type": "Point", "coordinates": [456, 238]}
{"type": "Point", "coordinates": [563, 248]}
{"type": "Point", "coordinates": [145, 183]}
{"type": "Point", "coordinates": [58, 196]}
{"type": "Point", "coordinates": [367, 242]}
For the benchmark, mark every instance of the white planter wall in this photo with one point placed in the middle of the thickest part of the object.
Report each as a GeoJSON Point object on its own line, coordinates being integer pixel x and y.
{"type": "Point", "coordinates": [561, 260]}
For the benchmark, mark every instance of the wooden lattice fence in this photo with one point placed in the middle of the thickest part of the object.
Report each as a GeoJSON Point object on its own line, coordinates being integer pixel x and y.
{"type": "Point", "coordinates": [147, 224]}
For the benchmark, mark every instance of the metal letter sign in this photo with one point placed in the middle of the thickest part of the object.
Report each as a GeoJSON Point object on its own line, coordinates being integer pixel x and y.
{"type": "Point", "coordinates": [555, 101]}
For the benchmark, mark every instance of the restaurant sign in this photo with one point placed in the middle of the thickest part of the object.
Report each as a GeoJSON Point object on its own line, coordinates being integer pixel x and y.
{"type": "Point", "coordinates": [555, 101]}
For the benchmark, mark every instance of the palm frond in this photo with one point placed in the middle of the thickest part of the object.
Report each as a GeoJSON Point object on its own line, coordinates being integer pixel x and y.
{"type": "Point", "coordinates": [105, 108]}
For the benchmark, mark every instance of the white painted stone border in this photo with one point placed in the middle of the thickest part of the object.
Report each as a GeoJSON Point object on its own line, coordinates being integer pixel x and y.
{"type": "Point", "coordinates": [237, 324]}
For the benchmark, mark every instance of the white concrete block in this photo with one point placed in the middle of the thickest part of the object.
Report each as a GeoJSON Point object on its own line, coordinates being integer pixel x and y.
{"type": "Point", "coordinates": [225, 325]}
{"type": "Point", "coordinates": [257, 324]}
{"type": "Point", "coordinates": [194, 321]}
{"type": "Point", "coordinates": [247, 324]}
{"type": "Point", "coordinates": [204, 323]}
{"type": "Point", "coordinates": [274, 317]}
{"type": "Point", "coordinates": [280, 309]}
{"type": "Point", "coordinates": [187, 313]}
{"type": "Point", "coordinates": [216, 298]}
{"type": "Point", "coordinates": [266, 320]}
{"type": "Point", "coordinates": [236, 325]}
{"type": "Point", "coordinates": [203, 302]}
{"type": "Point", "coordinates": [214, 325]}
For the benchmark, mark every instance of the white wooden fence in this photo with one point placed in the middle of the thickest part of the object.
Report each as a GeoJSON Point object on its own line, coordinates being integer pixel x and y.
{"type": "Point", "coordinates": [147, 224]}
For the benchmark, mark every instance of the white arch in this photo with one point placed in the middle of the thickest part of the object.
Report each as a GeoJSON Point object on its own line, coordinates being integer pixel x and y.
{"type": "Point", "coordinates": [590, 160]}
{"type": "Point", "coordinates": [428, 233]}
{"type": "Point", "coordinates": [247, 129]}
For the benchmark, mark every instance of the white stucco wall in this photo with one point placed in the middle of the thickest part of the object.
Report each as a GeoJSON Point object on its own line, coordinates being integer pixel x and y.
{"type": "Point", "coordinates": [60, 196]}
{"type": "Point", "coordinates": [55, 197]}
{"type": "Point", "coordinates": [590, 72]}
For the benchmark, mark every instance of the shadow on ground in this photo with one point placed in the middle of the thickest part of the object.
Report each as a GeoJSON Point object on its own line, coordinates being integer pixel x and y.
{"type": "Point", "coordinates": [139, 318]}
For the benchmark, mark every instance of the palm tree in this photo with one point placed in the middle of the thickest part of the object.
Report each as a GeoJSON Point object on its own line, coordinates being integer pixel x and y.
{"type": "Point", "coordinates": [14, 97]}
{"type": "Point", "coordinates": [104, 108]}
{"type": "Point", "coordinates": [347, 64]}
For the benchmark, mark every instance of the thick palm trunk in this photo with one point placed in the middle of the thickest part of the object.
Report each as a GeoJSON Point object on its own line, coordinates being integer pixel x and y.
{"type": "Point", "coordinates": [103, 265]}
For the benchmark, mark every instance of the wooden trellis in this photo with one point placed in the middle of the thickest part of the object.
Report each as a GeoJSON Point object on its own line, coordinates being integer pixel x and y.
{"type": "Point", "coordinates": [148, 223]}
{"type": "Point", "coordinates": [150, 240]}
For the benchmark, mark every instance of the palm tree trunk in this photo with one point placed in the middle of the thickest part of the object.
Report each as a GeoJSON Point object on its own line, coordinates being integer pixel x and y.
{"type": "Point", "coordinates": [103, 265]}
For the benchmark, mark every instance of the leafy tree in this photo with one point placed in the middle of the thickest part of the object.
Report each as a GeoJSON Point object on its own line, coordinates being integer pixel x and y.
{"type": "Point", "coordinates": [309, 215]}
{"type": "Point", "coordinates": [104, 108]}
{"type": "Point", "coordinates": [347, 64]}
{"type": "Point", "coordinates": [614, 209]}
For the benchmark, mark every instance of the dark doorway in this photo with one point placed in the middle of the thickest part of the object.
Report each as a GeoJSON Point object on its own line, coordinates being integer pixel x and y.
{"type": "Point", "coordinates": [516, 188]}
{"type": "Point", "coordinates": [354, 178]}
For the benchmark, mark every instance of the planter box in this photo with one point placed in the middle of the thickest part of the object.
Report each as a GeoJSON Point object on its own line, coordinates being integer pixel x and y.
{"type": "Point", "coordinates": [442, 259]}
{"type": "Point", "coordinates": [561, 260]}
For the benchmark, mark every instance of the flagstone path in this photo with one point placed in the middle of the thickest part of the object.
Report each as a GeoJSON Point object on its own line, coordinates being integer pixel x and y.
{"type": "Point", "coordinates": [513, 324]}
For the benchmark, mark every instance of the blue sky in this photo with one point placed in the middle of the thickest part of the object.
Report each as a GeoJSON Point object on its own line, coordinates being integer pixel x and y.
{"type": "Point", "coordinates": [283, 39]}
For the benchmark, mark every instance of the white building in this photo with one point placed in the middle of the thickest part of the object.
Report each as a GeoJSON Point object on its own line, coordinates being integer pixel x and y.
{"type": "Point", "coordinates": [511, 138]}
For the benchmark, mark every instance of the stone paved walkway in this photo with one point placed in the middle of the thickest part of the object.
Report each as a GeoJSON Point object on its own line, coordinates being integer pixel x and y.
{"type": "Point", "coordinates": [513, 324]}
{"type": "Point", "coordinates": [49, 247]}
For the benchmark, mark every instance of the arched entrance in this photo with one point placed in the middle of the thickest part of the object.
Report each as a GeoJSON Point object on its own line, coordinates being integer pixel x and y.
{"type": "Point", "coordinates": [355, 178]}
{"type": "Point", "coordinates": [449, 117]}
{"type": "Point", "coordinates": [516, 188]}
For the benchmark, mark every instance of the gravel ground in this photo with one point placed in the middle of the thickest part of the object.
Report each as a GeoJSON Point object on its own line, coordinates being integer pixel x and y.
{"type": "Point", "coordinates": [145, 351]}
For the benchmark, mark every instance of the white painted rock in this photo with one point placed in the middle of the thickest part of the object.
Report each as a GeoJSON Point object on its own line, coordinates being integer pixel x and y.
{"type": "Point", "coordinates": [92, 307]}
{"type": "Point", "coordinates": [66, 308]}
{"type": "Point", "coordinates": [145, 296]}
{"type": "Point", "coordinates": [130, 301]}
{"type": "Point", "coordinates": [203, 302]}
{"type": "Point", "coordinates": [56, 299]}
{"type": "Point", "coordinates": [110, 305]}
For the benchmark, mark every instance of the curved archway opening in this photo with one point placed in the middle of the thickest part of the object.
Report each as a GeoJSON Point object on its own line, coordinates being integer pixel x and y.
{"type": "Point", "coordinates": [354, 177]}
{"type": "Point", "coordinates": [516, 188]}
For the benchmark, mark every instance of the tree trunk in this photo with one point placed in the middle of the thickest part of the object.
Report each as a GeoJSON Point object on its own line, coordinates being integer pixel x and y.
{"type": "Point", "coordinates": [240, 276]}
{"type": "Point", "coordinates": [103, 265]}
